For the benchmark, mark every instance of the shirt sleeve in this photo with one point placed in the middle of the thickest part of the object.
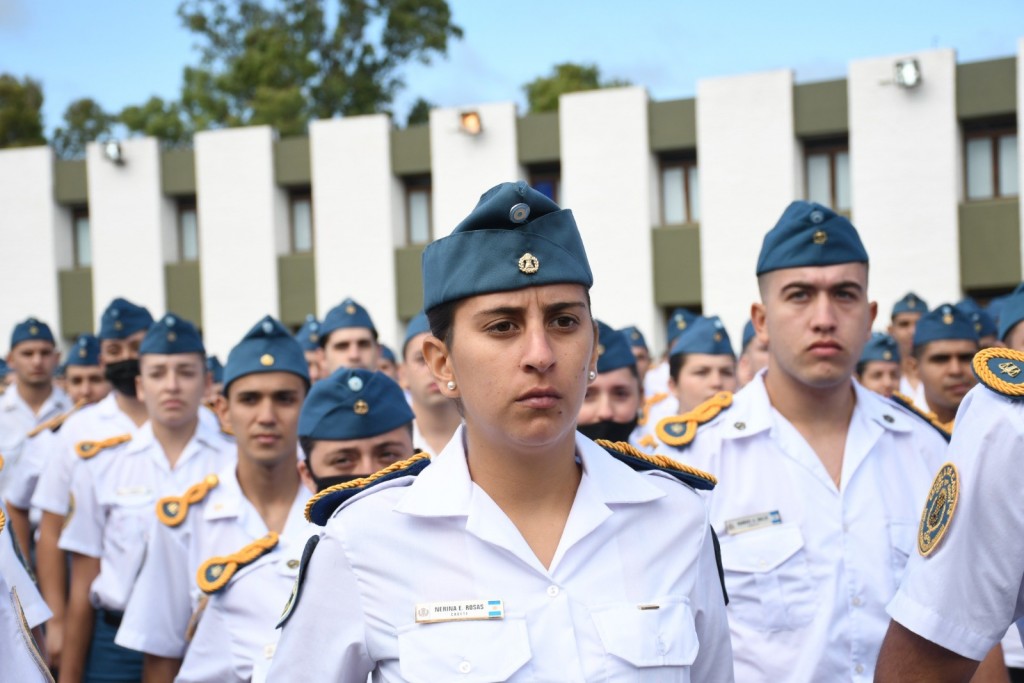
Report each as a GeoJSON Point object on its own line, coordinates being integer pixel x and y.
{"type": "Point", "coordinates": [210, 654]}
{"type": "Point", "coordinates": [966, 592]}
{"type": "Point", "coordinates": [13, 571]}
{"type": "Point", "coordinates": [22, 482]}
{"type": "Point", "coordinates": [714, 658]}
{"type": "Point", "coordinates": [85, 518]}
{"type": "Point", "coordinates": [51, 492]}
{"type": "Point", "coordinates": [329, 605]}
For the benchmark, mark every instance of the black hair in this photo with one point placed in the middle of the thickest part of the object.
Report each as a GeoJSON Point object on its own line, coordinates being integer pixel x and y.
{"type": "Point", "coordinates": [307, 443]}
{"type": "Point", "coordinates": [675, 364]}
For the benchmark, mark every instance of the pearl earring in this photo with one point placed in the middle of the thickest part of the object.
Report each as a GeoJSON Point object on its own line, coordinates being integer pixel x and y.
{"type": "Point", "coordinates": [592, 375]}
{"type": "Point", "coordinates": [451, 385]}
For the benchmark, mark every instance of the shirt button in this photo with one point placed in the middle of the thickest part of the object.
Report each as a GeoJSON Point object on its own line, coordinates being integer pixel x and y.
{"type": "Point", "coordinates": [859, 668]}
{"type": "Point", "coordinates": [856, 602]}
{"type": "Point", "coordinates": [552, 591]}
{"type": "Point", "coordinates": [465, 667]}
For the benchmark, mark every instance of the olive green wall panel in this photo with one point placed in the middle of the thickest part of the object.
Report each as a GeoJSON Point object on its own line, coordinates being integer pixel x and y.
{"type": "Point", "coordinates": [409, 280]}
{"type": "Point", "coordinates": [676, 266]}
{"type": "Point", "coordinates": [990, 253]}
{"type": "Point", "coordinates": [76, 314]}
{"type": "Point", "coordinates": [182, 282]}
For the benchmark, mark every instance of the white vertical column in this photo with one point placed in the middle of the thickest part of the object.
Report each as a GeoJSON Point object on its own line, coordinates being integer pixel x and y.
{"type": "Point", "coordinates": [127, 222]}
{"type": "Point", "coordinates": [749, 172]}
{"type": "Point", "coordinates": [905, 177]}
{"type": "Point", "coordinates": [30, 222]}
{"type": "Point", "coordinates": [606, 181]}
{"type": "Point", "coordinates": [356, 206]}
{"type": "Point", "coordinates": [465, 166]}
{"type": "Point", "coordinates": [243, 227]}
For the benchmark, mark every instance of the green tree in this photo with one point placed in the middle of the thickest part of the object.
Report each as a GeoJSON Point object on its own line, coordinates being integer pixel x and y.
{"type": "Point", "coordinates": [159, 119]}
{"type": "Point", "coordinates": [84, 121]}
{"type": "Point", "coordinates": [21, 107]}
{"type": "Point", "coordinates": [542, 93]}
{"type": "Point", "coordinates": [419, 112]}
{"type": "Point", "coordinates": [280, 63]}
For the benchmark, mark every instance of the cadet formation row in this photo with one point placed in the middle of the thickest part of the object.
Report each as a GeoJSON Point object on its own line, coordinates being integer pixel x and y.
{"type": "Point", "coordinates": [539, 500]}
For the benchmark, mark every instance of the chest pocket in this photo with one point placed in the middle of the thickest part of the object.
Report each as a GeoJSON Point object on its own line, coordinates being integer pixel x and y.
{"type": "Point", "coordinates": [465, 651]}
{"type": "Point", "coordinates": [131, 514]}
{"type": "Point", "coordinates": [660, 634]}
{"type": "Point", "coordinates": [902, 537]}
{"type": "Point", "coordinates": [768, 579]}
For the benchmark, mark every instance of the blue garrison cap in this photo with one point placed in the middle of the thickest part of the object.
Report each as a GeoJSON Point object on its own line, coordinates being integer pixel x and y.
{"type": "Point", "coordinates": [704, 335]}
{"type": "Point", "coordinates": [122, 319]}
{"type": "Point", "coordinates": [944, 322]}
{"type": "Point", "coordinates": [881, 347]}
{"type": "Point", "coordinates": [910, 303]}
{"type": "Point", "coordinates": [172, 334]}
{"type": "Point", "coordinates": [1011, 313]}
{"type": "Point", "coordinates": [677, 322]}
{"type": "Point", "coordinates": [308, 335]}
{"type": "Point", "coordinates": [216, 369]}
{"type": "Point", "coordinates": [86, 351]}
{"type": "Point", "coordinates": [810, 234]}
{"type": "Point", "coordinates": [983, 323]}
{"type": "Point", "coordinates": [613, 349]}
{"type": "Point", "coordinates": [346, 314]}
{"type": "Point", "coordinates": [4, 368]}
{"type": "Point", "coordinates": [387, 354]}
{"type": "Point", "coordinates": [267, 347]}
{"type": "Point", "coordinates": [353, 404]}
{"type": "Point", "coordinates": [748, 334]}
{"type": "Point", "coordinates": [31, 330]}
{"type": "Point", "coordinates": [515, 237]}
{"type": "Point", "coordinates": [417, 326]}
{"type": "Point", "coordinates": [635, 337]}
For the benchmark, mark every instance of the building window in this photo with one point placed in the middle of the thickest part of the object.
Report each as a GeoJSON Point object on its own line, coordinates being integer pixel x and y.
{"type": "Point", "coordinates": [547, 180]}
{"type": "Point", "coordinates": [80, 237]}
{"type": "Point", "coordinates": [301, 219]}
{"type": "Point", "coordinates": [417, 209]}
{"type": "Point", "coordinates": [990, 155]}
{"type": "Point", "coordinates": [827, 174]}
{"type": "Point", "coordinates": [680, 191]}
{"type": "Point", "coordinates": [188, 230]}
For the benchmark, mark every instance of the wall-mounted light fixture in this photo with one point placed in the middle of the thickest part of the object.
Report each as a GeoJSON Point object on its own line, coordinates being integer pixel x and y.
{"type": "Point", "coordinates": [470, 123]}
{"type": "Point", "coordinates": [907, 73]}
{"type": "Point", "coordinates": [112, 152]}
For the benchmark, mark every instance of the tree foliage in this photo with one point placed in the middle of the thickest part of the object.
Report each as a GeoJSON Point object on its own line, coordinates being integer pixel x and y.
{"type": "Point", "coordinates": [21, 117]}
{"type": "Point", "coordinates": [84, 121]}
{"type": "Point", "coordinates": [542, 93]}
{"type": "Point", "coordinates": [419, 112]}
{"type": "Point", "coordinates": [157, 118]}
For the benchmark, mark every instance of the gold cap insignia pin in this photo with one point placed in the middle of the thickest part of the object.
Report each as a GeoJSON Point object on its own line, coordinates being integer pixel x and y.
{"type": "Point", "coordinates": [360, 407]}
{"type": "Point", "coordinates": [171, 337]}
{"type": "Point", "coordinates": [266, 360]}
{"type": "Point", "coordinates": [82, 353]}
{"type": "Point", "coordinates": [887, 355]}
{"type": "Point", "coordinates": [528, 264]}
{"type": "Point", "coordinates": [819, 237]}
{"type": "Point", "coordinates": [350, 309]}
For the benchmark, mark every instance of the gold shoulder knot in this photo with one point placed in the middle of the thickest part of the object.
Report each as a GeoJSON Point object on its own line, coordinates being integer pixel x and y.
{"type": "Point", "coordinates": [1001, 370]}
{"type": "Point", "coordinates": [320, 507]}
{"type": "Point", "coordinates": [945, 430]}
{"type": "Point", "coordinates": [648, 404]}
{"type": "Point", "coordinates": [640, 461]}
{"type": "Point", "coordinates": [53, 424]}
{"type": "Point", "coordinates": [173, 510]}
{"type": "Point", "coordinates": [89, 449]}
{"type": "Point", "coordinates": [679, 430]}
{"type": "Point", "coordinates": [3, 521]}
{"type": "Point", "coordinates": [215, 573]}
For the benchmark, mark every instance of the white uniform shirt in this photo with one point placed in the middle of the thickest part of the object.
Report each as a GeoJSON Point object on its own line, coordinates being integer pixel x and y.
{"type": "Point", "coordinates": [114, 497]}
{"type": "Point", "coordinates": [166, 592]}
{"type": "Point", "coordinates": [17, 420]}
{"type": "Point", "coordinates": [17, 577]}
{"type": "Point", "coordinates": [20, 659]}
{"type": "Point", "coordinates": [966, 593]}
{"type": "Point", "coordinates": [666, 407]}
{"type": "Point", "coordinates": [916, 394]}
{"type": "Point", "coordinates": [237, 633]}
{"type": "Point", "coordinates": [631, 539]}
{"type": "Point", "coordinates": [807, 596]}
{"type": "Point", "coordinates": [656, 379]}
{"type": "Point", "coordinates": [417, 439]}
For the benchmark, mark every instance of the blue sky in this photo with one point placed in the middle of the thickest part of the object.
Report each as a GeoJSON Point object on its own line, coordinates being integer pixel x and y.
{"type": "Point", "coordinates": [121, 52]}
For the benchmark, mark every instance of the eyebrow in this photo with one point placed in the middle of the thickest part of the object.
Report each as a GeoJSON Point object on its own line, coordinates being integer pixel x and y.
{"type": "Point", "coordinates": [519, 310]}
{"type": "Point", "coordinates": [845, 284]}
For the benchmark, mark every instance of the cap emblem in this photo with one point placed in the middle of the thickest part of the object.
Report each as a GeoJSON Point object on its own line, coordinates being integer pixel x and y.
{"type": "Point", "coordinates": [519, 213]}
{"type": "Point", "coordinates": [528, 264]}
{"type": "Point", "coordinates": [817, 216]}
{"type": "Point", "coordinates": [266, 360]}
{"type": "Point", "coordinates": [118, 325]}
{"type": "Point", "coordinates": [820, 237]}
{"type": "Point", "coordinates": [82, 353]}
{"type": "Point", "coordinates": [268, 327]}
{"type": "Point", "coordinates": [361, 407]}
{"type": "Point", "coordinates": [355, 384]}
{"type": "Point", "coordinates": [887, 355]}
{"type": "Point", "coordinates": [171, 337]}
{"type": "Point", "coordinates": [350, 309]}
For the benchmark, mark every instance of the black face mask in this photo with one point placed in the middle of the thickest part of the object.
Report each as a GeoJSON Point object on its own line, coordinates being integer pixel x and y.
{"type": "Point", "coordinates": [327, 482]}
{"type": "Point", "coordinates": [606, 429]}
{"type": "Point", "coordinates": [121, 376]}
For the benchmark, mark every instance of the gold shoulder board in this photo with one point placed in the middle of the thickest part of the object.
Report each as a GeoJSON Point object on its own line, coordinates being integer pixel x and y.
{"type": "Point", "coordinates": [1001, 370]}
{"type": "Point", "coordinates": [640, 461]}
{"type": "Point", "coordinates": [89, 449]}
{"type": "Point", "coordinates": [173, 510]}
{"type": "Point", "coordinates": [215, 573]}
{"type": "Point", "coordinates": [679, 431]}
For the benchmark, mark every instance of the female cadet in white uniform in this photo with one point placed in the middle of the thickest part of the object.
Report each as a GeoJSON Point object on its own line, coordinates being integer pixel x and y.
{"type": "Point", "coordinates": [524, 551]}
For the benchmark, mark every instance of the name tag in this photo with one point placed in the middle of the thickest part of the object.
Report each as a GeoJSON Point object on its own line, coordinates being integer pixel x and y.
{"type": "Point", "coordinates": [751, 522]}
{"type": "Point", "coordinates": [459, 610]}
{"type": "Point", "coordinates": [128, 491]}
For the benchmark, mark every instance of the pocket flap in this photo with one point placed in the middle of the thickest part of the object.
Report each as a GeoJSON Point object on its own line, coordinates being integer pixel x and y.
{"type": "Point", "coordinates": [659, 633]}
{"type": "Point", "coordinates": [468, 651]}
{"type": "Point", "coordinates": [762, 550]}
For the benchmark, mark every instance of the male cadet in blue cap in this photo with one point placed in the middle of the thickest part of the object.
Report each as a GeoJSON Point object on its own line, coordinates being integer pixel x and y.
{"type": "Point", "coordinates": [388, 363]}
{"type": "Point", "coordinates": [253, 506]}
{"type": "Point", "coordinates": [821, 479]}
{"type": "Point", "coordinates": [945, 342]}
{"type": "Point", "coordinates": [611, 406]}
{"type": "Point", "coordinates": [308, 337]}
{"type": "Point", "coordinates": [879, 366]}
{"type": "Point", "coordinates": [753, 356]}
{"type": "Point", "coordinates": [114, 487]}
{"type": "Point", "coordinates": [348, 338]}
{"type": "Point", "coordinates": [638, 345]}
{"type": "Point", "coordinates": [437, 416]}
{"type": "Point", "coordinates": [905, 314]}
{"type": "Point", "coordinates": [659, 401]}
{"type": "Point", "coordinates": [1011, 315]}
{"type": "Point", "coordinates": [984, 323]}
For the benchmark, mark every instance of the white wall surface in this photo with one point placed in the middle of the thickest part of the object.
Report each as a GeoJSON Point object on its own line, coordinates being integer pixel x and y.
{"type": "Point", "coordinates": [240, 210]}
{"type": "Point", "coordinates": [606, 181]}
{"type": "Point", "coordinates": [354, 212]}
{"type": "Point", "coordinates": [127, 220]}
{"type": "Point", "coordinates": [1020, 147]}
{"type": "Point", "coordinates": [31, 224]}
{"type": "Point", "coordinates": [749, 159]}
{"type": "Point", "coordinates": [905, 179]}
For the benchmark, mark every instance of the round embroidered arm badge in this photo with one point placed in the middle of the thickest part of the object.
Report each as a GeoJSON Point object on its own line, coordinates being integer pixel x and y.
{"type": "Point", "coordinates": [938, 511]}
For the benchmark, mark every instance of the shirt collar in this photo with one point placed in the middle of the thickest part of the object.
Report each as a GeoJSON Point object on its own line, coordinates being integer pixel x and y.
{"type": "Point", "coordinates": [880, 410]}
{"type": "Point", "coordinates": [751, 411]}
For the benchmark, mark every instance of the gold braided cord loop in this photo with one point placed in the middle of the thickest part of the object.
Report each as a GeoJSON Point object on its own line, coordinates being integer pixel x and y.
{"type": "Point", "coordinates": [88, 449]}
{"type": "Point", "coordinates": [215, 573]}
{"type": "Point", "coordinates": [648, 404]}
{"type": "Point", "coordinates": [660, 461]}
{"type": "Point", "coordinates": [173, 510]}
{"type": "Point", "coordinates": [1014, 359]}
{"type": "Point", "coordinates": [703, 413]}
{"type": "Point", "coordinates": [648, 441]}
{"type": "Point", "coordinates": [364, 481]}
{"type": "Point", "coordinates": [1, 463]}
{"type": "Point", "coordinates": [55, 422]}
{"type": "Point", "coordinates": [3, 521]}
{"type": "Point", "coordinates": [931, 418]}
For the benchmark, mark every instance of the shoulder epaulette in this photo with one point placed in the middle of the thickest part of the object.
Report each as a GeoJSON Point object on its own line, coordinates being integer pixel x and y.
{"type": "Point", "coordinates": [641, 461]}
{"type": "Point", "coordinates": [648, 404]}
{"type": "Point", "coordinates": [173, 510]}
{"type": "Point", "coordinates": [906, 402]}
{"type": "Point", "coordinates": [88, 449]}
{"type": "Point", "coordinates": [321, 506]}
{"type": "Point", "coordinates": [54, 424]}
{"type": "Point", "coordinates": [679, 430]}
{"type": "Point", "coordinates": [215, 573]}
{"type": "Point", "coordinates": [1001, 370]}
